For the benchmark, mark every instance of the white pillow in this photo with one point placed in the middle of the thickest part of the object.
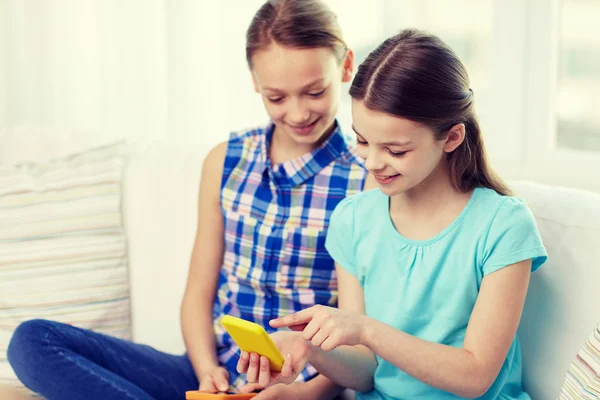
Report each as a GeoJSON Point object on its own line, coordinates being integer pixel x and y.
{"type": "Point", "coordinates": [63, 253]}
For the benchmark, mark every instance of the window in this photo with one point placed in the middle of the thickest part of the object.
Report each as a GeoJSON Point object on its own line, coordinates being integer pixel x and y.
{"type": "Point", "coordinates": [578, 97]}
{"type": "Point", "coordinates": [367, 24]}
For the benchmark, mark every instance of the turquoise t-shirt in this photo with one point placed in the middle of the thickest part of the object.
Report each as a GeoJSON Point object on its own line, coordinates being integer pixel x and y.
{"type": "Point", "coordinates": [428, 288]}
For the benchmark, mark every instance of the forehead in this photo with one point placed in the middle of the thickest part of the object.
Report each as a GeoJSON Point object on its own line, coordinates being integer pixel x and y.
{"type": "Point", "coordinates": [377, 127]}
{"type": "Point", "coordinates": [286, 68]}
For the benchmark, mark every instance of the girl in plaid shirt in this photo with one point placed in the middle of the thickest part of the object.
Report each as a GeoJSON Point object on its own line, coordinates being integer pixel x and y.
{"type": "Point", "coordinates": [265, 199]}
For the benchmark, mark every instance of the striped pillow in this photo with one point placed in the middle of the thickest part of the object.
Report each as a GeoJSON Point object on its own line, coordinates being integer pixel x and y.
{"type": "Point", "coordinates": [63, 253]}
{"type": "Point", "coordinates": [583, 377]}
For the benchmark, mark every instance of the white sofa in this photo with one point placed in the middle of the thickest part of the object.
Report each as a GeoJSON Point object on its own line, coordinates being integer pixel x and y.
{"type": "Point", "coordinates": [563, 306]}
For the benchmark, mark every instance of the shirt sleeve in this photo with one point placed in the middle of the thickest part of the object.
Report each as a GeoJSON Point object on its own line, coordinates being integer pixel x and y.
{"type": "Point", "coordinates": [340, 236]}
{"type": "Point", "coordinates": [513, 237]}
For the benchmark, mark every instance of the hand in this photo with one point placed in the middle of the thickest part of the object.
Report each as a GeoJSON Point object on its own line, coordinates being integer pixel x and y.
{"type": "Point", "coordinates": [215, 378]}
{"type": "Point", "coordinates": [256, 367]}
{"type": "Point", "coordinates": [326, 327]}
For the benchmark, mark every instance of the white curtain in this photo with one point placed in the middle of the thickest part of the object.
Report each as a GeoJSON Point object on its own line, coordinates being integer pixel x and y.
{"type": "Point", "coordinates": [150, 69]}
{"type": "Point", "coordinates": [147, 69]}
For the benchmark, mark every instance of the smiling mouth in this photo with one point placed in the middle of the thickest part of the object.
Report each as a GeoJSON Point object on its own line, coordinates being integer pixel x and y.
{"type": "Point", "coordinates": [385, 179]}
{"type": "Point", "coordinates": [305, 125]}
{"type": "Point", "coordinates": [385, 176]}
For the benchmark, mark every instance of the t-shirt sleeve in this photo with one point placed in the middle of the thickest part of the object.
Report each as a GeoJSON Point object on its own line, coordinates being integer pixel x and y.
{"type": "Point", "coordinates": [340, 236]}
{"type": "Point", "coordinates": [513, 237]}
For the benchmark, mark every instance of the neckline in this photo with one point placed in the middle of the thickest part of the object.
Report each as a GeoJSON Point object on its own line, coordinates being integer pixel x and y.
{"type": "Point", "coordinates": [390, 225]}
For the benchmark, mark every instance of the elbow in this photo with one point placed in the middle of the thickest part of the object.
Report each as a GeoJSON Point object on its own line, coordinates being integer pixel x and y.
{"type": "Point", "coordinates": [475, 386]}
{"type": "Point", "coordinates": [472, 392]}
{"type": "Point", "coordinates": [364, 382]}
{"type": "Point", "coordinates": [362, 385]}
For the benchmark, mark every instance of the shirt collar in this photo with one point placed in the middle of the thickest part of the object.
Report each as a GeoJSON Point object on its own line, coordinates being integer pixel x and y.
{"type": "Point", "coordinates": [299, 170]}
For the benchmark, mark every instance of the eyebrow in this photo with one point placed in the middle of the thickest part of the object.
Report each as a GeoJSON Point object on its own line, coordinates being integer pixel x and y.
{"type": "Point", "coordinates": [392, 143]}
{"type": "Point", "coordinates": [319, 80]}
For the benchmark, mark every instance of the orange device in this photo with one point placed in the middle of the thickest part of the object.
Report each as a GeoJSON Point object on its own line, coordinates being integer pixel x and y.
{"type": "Point", "coordinates": [202, 395]}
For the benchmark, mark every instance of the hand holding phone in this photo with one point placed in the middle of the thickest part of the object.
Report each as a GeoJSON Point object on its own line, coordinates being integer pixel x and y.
{"type": "Point", "coordinates": [252, 338]}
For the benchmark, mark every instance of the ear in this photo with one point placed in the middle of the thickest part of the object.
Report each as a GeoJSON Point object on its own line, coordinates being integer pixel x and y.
{"type": "Point", "coordinates": [456, 135]}
{"type": "Point", "coordinates": [255, 82]}
{"type": "Point", "coordinates": [348, 67]}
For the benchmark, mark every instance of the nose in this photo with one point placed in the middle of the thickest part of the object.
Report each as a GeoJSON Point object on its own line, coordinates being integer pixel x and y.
{"type": "Point", "coordinates": [297, 113]}
{"type": "Point", "coordinates": [373, 162]}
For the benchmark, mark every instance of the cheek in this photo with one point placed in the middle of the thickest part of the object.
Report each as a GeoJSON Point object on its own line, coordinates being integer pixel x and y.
{"type": "Point", "coordinates": [275, 111]}
{"type": "Point", "coordinates": [427, 161]}
{"type": "Point", "coordinates": [362, 151]}
{"type": "Point", "coordinates": [324, 105]}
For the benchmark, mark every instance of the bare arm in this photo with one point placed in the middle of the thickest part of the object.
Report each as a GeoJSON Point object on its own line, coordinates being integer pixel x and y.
{"type": "Point", "coordinates": [349, 366]}
{"type": "Point", "coordinates": [205, 264]}
{"type": "Point", "coordinates": [467, 372]}
{"type": "Point", "coordinates": [471, 370]}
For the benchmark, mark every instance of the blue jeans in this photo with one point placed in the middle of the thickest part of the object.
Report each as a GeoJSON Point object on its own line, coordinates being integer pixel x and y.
{"type": "Point", "coordinates": [64, 362]}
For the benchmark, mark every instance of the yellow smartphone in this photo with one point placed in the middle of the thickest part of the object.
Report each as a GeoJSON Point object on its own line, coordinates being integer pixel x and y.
{"type": "Point", "coordinates": [253, 338]}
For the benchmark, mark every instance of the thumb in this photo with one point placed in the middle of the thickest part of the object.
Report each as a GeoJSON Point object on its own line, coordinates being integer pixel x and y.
{"type": "Point", "coordinates": [206, 383]}
{"type": "Point", "coordinates": [221, 380]}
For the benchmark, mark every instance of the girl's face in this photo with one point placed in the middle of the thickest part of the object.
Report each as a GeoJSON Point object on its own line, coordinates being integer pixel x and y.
{"type": "Point", "coordinates": [400, 153]}
{"type": "Point", "coordinates": [300, 89]}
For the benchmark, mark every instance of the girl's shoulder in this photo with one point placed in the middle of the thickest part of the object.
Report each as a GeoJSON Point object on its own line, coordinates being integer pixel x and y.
{"type": "Point", "coordinates": [247, 143]}
{"type": "Point", "coordinates": [490, 205]}
{"type": "Point", "coordinates": [361, 206]}
{"type": "Point", "coordinates": [256, 134]}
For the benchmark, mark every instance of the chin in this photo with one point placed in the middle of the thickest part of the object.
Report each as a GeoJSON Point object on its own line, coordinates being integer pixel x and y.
{"type": "Point", "coordinates": [313, 138]}
{"type": "Point", "coordinates": [390, 191]}
{"type": "Point", "coordinates": [393, 191]}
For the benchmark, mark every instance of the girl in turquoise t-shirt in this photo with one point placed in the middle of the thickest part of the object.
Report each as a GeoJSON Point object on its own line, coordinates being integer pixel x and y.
{"type": "Point", "coordinates": [433, 266]}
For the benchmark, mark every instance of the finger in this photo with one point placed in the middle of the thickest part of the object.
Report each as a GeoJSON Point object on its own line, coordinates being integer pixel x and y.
{"type": "Point", "coordinates": [252, 374]}
{"type": "Point", "coordinates": [301, 317]}
{"type": "Point", "coordinates": [287, 368]}
{"type": "Point", "coordinates": [330, 343]}
{"type": "Point", "coordinates": [264, 376]}
{"type": "Point", "coordinates": [311, 329]}
{"type": "Point", "coordinates": [221, 380]}
{"type": "Point", "coordinates": [298, 328]}
{"type": "Point", "coordinates": [319, 338]}
{"type": "Point", "coordinates": [207, 383]}
{"type": "Point", "coordinates": [242, 365]}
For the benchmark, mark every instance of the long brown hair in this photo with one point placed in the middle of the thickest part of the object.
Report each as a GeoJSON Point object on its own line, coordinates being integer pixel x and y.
{"type": "Point", "coordinates": [415, 75]}
{"type": "Point", "coordinates": [295, 24]}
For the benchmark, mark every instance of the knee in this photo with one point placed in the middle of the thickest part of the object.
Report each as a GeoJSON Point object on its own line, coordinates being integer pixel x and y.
{"type": "Point", "coordinates": [27, 346]}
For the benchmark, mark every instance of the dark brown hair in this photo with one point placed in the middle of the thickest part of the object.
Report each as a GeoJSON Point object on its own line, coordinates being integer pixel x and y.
{"type": "Point", "coordinates": [296, 24]}
{"type": "Point", "coordinates": [417, 76]}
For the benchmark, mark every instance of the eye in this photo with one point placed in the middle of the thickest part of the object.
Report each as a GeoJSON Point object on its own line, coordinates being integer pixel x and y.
{"type": "Point", "coordinates": [275, 99]}
{"type": "Point", "coordinates": [316, 94]}
{"type": "Point", "coordinates": [398, 154]}
{"type": "Point", "coordinates": [360, 142]}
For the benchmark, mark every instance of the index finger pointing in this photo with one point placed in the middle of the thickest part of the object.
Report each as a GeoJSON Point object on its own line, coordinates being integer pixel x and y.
{"type": "Point", "coordinates": [299, 318]}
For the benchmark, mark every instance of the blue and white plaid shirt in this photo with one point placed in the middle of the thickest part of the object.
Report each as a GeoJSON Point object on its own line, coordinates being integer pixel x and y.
{"type": "Point", "coordinates": [276, 219]}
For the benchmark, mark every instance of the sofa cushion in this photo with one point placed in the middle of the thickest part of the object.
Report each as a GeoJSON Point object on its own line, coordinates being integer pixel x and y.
{"type": "Point", "coordinates": [563, 298]}
{"type": "Point", "coordinates": [583, 377]}
{"type": "Point", "coordinates": [63, 253]}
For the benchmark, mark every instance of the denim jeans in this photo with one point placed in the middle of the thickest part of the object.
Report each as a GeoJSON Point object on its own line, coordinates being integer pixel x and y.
{"type": "Point", "coordinates": [60, 361]}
